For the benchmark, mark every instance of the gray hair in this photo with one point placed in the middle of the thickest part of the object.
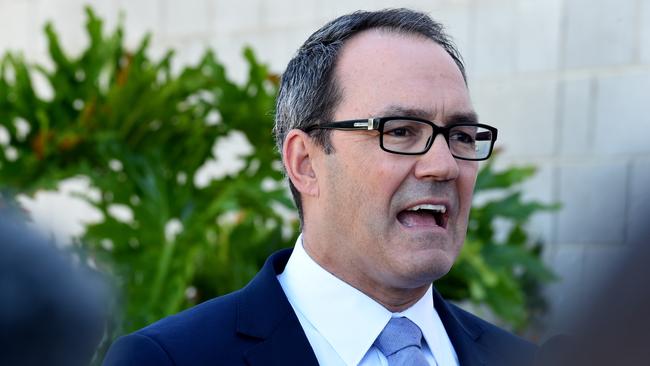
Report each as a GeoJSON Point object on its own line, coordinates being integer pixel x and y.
{"type": "Point", "coordinates": [309, 93]}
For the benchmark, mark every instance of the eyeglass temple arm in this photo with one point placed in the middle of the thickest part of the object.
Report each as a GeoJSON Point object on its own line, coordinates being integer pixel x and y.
{"type": "Point", "coordinates": [371, 123]}
{"type": "Point", "coordinates": [355, 124]}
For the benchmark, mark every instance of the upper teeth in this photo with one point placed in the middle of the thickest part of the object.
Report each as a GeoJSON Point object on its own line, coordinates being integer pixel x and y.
{"type": "Point", "coordinates": [439, 208]}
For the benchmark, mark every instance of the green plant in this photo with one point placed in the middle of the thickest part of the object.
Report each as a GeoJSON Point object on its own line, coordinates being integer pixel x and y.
{"type": "Point", "coordinates": [141, 133]}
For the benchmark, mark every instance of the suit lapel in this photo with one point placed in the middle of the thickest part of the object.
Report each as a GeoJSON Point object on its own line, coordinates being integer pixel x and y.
{"type": "Point", "coordinates": [463, 333]}
{"type": "Point", "coordinates": [286, 346]}
{"type": "Point", "coordinates": [263, 312]}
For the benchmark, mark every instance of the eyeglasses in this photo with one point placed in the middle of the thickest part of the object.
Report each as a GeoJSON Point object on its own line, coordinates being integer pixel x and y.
{"type": "Point", "coordinates": [415, 136]}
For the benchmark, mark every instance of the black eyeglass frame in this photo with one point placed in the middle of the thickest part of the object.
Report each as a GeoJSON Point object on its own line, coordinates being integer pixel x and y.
{"type": "Point", "coordinates": [377, 124]}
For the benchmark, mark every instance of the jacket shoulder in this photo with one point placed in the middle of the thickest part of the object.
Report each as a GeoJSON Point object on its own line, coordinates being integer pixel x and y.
{"type": "Point", "coordinates": [196, 336]}
{"type": "Point", "coordinates": [136, 350]}
{"type": "Point", "coordinates": [224, 329]}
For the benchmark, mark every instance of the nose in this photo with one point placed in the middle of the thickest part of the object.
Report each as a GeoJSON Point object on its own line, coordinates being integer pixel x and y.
{"type": "Point", "coordinates": [438, 163]}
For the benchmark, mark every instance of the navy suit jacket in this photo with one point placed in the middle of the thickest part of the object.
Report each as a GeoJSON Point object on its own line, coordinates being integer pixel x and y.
{"type": "Point", "coordinates": [257, 326]}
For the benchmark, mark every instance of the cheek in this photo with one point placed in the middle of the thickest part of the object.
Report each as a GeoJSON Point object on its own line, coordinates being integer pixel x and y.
{"type": "Point", "coordinates": [389, 176]}
{"type": "Point", "coordinates": [465, 183]}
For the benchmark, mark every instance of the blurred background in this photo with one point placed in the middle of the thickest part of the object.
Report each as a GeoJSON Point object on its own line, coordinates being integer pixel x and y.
{"type": "Point", "coordinates": [567, 82]}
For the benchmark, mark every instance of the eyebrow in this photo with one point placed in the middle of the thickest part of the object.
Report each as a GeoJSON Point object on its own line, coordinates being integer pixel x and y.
{"type": "Point", "coordinates": [463, 117]}
{"type": "Point", "coordinates": [455, 118]}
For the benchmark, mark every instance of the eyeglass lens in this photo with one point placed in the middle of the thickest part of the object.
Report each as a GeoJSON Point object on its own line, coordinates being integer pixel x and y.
{"type": "Point", "coordinates": [412, 137]}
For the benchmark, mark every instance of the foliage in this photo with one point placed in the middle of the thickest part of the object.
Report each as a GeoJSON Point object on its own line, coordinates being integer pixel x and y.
{"type": "Point", "coordinates": [503, 273]}
{"type": "Point", "coordinates": [141, 134]}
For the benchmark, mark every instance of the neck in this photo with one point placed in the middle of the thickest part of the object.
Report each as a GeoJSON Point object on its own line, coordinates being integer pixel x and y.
{"type": "Point", "coordinates": [398, 301]}
{"type": "Point", "coordinates": [393, 298]}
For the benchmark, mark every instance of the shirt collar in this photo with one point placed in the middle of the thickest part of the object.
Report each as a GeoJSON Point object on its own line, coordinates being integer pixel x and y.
{"type": "Point", "coordinates": [331, 304]}
{"type": "Point", "coordinates": [424, 314]}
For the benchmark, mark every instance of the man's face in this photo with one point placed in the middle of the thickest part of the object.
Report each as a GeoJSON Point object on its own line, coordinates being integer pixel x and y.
{"type": "Point", "coordinates": [365, 193]}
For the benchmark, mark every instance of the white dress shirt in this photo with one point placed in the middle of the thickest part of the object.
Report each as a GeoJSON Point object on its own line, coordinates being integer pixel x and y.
{"type": "Point", "coordinates": [341, 322]}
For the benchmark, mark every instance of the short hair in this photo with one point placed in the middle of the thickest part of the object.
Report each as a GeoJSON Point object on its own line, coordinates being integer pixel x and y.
{"type": "Point", "coordinates": [309, 93]}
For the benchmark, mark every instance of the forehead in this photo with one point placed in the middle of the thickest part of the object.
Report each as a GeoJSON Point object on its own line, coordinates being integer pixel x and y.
{"type": "Point", "coordinates": [377, 70]}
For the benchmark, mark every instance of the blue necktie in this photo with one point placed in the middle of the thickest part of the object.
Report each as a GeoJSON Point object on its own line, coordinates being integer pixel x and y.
{"type": "Point", "coordinates": [401, 343]}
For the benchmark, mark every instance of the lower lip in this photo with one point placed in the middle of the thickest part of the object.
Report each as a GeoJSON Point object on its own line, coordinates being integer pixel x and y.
{"type": "Point", "coordinates": [423, 227]}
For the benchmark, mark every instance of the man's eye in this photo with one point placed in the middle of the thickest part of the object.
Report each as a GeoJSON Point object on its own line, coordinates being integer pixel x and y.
{"type": "Point", "coordinates": [399, 132]}
{"type": "Point", "coordinates": [462, 137]}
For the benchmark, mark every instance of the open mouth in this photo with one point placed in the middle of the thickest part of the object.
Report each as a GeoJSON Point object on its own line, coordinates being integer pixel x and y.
{"type": "Point", "coordinates": [424, 215]}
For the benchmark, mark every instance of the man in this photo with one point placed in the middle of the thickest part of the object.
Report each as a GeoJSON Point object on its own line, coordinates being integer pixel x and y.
{"type": "Point", "coordinates": [383, 194]}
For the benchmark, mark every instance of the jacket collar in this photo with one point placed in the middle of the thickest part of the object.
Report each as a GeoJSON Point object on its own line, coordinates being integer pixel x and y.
{"type": "Point", "coordinates": [264, 313]}
{"type": "Point", "coordinates": [463, 332]}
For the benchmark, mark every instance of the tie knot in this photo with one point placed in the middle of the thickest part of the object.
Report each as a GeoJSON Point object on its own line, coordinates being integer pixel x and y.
{"type": "Point", "coordinates": [398, 334]}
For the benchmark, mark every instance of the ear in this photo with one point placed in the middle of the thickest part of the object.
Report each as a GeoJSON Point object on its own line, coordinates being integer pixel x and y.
{"type": "Point", "coordinates": [298, 151]}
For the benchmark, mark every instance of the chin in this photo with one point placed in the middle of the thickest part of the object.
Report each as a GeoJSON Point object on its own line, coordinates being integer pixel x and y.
{"type": "Point", "coordinates": [439, 268]}
{"type": "Point", "coordinates": [423, 270]}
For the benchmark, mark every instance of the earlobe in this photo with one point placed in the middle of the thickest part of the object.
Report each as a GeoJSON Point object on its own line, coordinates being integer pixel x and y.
{"type": "Point", "coordinates": [297, 152]}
